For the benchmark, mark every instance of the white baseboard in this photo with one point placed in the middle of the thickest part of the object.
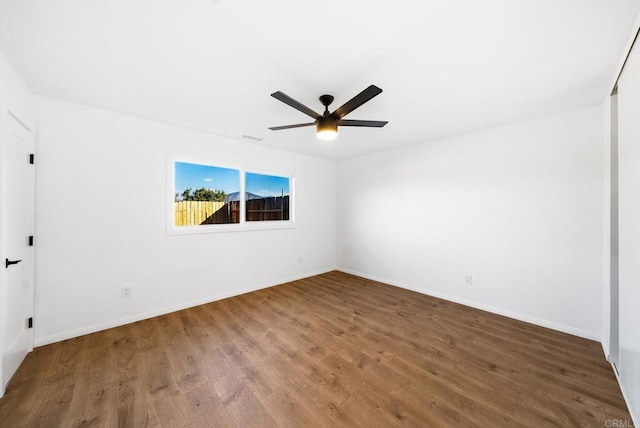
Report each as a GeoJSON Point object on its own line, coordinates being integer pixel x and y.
{"type": "Point", "coordinates": [605, 349]}
{"type": "Point", "coordinates": [499, 311]}
{"type": "Point", "coordinates": [14, 356]}
{"type": "Point", "coordinates": [634, 418]}
{"type": "Point", "coordinates": [41, 341]}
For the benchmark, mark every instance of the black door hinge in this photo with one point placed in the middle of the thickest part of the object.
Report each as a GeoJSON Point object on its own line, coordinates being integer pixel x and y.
{"type": "Point", "coordinates": [31, 241]}
{"type": "Point", "coordinates": [30, 322]}
{"type": "Point", "coordinates": [32, 158]}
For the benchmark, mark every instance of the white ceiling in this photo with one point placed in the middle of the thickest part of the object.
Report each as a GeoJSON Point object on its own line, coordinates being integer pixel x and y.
{"type": "Point", "coordinates": [446, 66]}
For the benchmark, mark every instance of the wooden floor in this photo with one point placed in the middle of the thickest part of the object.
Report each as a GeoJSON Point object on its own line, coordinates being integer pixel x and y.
{"type": "Point", "coordinates": [328, 351]}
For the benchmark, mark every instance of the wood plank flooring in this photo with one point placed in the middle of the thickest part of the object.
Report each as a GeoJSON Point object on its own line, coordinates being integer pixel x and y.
{"type": "Point", "coordinates": [328, 351]}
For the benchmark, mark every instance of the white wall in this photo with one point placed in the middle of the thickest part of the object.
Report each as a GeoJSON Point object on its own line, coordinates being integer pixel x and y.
{"type": "Point", "coordinates": [14, 93]}
{"type": "Point", "coordinates": [519, 207]}
{"type": "Point", "coordinates": [100, 224]}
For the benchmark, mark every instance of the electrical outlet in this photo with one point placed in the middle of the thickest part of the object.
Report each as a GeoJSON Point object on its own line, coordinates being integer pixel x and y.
{"type": "Point", "coordinates": [468, 279]}
{"type": "Point", "coordinates": [125, 292]}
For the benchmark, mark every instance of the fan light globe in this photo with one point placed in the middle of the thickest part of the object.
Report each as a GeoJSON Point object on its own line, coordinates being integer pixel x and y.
{"type": "Point", "coordinates": [327, 135]}
{"type": "Point", "coordinates": [326, 128]}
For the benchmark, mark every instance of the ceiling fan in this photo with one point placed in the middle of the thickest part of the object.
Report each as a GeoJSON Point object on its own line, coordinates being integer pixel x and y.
{"type": "Point", "coordinates": [327, 123]}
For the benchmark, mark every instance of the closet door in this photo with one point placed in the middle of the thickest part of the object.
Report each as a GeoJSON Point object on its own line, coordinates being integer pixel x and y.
{"type": "Point", "coordinates": [629, 228]}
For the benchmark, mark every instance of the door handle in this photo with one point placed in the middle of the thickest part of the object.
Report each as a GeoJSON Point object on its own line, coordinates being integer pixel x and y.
{"type": "Point", "coordinates": [8, 262]}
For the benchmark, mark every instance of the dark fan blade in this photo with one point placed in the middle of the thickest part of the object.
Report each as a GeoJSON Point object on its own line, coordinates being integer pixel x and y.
{"type": "Point", "coordinates": [295, 104]}
{"type": "Point", "coordinates": [356, 101]}
{"type": "Point", "coordinates": [299, 125]}
{"type": "Point", "coordinates": [369, 123]}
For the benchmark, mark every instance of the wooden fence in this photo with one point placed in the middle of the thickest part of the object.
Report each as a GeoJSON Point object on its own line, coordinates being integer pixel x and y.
{"type": "Point", "coordinates": [268, 208]}
{"type": "Point", "coordinates": [228, 213]}
{"type": "Point", "coordinates": [193, 213]}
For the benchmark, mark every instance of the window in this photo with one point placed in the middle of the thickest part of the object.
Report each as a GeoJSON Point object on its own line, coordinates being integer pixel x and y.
{"type": "Point", "coordinates": [205, 194]}
{"type": "Point", "coordinates": [267, 197]}
{"type": "Point", "coordinates": [214, 197]}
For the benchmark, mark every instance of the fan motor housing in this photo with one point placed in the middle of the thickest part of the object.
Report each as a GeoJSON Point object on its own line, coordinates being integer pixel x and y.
{"type": "Point", "coordinates": [326, 123]}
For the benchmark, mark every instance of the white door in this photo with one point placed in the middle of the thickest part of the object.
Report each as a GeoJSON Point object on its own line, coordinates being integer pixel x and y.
{"type": "Point", "coordinates": [16, 262]}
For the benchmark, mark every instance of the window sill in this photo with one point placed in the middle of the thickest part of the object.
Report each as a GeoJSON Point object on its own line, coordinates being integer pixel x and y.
{"type": "Point", "coordinates": [223, 228]}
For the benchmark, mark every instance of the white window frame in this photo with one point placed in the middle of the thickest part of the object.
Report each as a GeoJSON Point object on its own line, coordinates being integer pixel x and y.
{"type": "Point", "coordinates": [243, 168]}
